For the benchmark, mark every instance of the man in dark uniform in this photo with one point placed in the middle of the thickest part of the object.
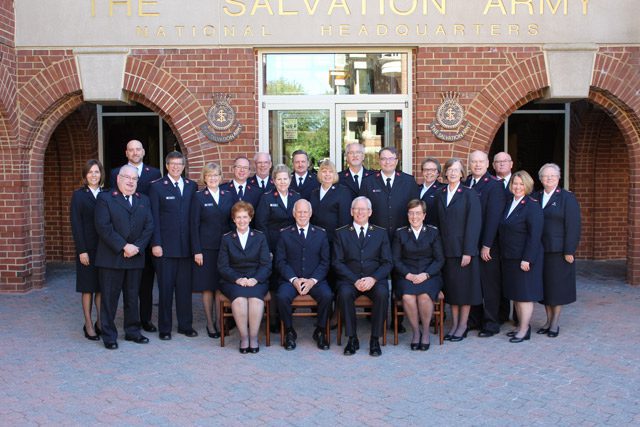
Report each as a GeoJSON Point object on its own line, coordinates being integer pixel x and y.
{"type": "Point", "coordinates": [492, 201]}
{"type": "Point", "coordinates": [353, 176]}
{"type": "Point", "coordinates": [428, 191]}
{"type": "Point", "coordinates": [262, 178]}
{"type": "Point", "coordinates": [124, 224]}
{"type": "Point", "coordinates": [302, 259]}
{"type": "Point", "coordinates": [239, 187]}
{"type": "Point", "coordinates": [362, 262]}
{"type": "Point", "coordinates": [170, 203]}
{"type": "Point", "coordinates": [146, 175]}
{"type": "Point", "coordinates": [303, 180]}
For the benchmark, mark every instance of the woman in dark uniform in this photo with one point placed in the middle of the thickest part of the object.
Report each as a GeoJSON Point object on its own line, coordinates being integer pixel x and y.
{"type": "Point", "coordinates": [459, 220]}
{"type": "Point", "coordinates": [210, 220]}
{"type": "Point", "coordinates": [83, 203]}
{"type": "Point", "coordinates": [560, 238]}
{"type": "Point", "coordinates": [417, 258]}
{"type": "Point", "coordinates": [331, 202]}
{"type": "Point", "coordinates": [521, 252]}
{"type": "Point", "coordinates": [245, 266]}
{"type": "Point", "coordinates": [431, 169]}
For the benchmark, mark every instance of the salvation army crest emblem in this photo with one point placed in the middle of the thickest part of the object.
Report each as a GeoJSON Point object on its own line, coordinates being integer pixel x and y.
{"type": "Point", "coordinates": [223, 126]}
{"type": "Point", "coordinates": [450, 124]}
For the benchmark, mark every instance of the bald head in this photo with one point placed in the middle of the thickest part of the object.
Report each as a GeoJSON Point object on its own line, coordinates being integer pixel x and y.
{"type": "Point", "coordinates": [302, 212]}
{"type": "Point", "coordinates": [135, 152]}
{"type": "Point", "coordinates": [478, 163]}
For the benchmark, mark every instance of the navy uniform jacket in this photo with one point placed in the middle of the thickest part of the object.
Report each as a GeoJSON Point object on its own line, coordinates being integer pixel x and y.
{"type": "Point", "coordinates": [270, 186]}
{"type": "Point", "coordinates": [298, 257]}
{"type": "Point", "coordinates": [149, 174]}
{"type": "Point", "coordinates": [351, 261]}
{"type": "Point", "coordinates": [333, 211]}
{"type": "Point", "coordinates": [272, 216]}
{"type": "Point", "coordinates": [424, 255]}
{"type": "Point", "coordinates": [209, 221]}
{"type": "Point", "coordinates": [346, 179]}
{"type": "Point", "coordinates": [459, 223]}
{"type": "Point", "coordinates": [252, 193]}
{"type": "Point", "coordinates": [430, 199]}
{"type": "Point", "coordinates": [492, 202]}
{"type": "Point", "coordinates": [521, 233]}
{"type": "Point", "coordinates": [390, 208]}
{"type": "Point", "coordinates": [171, 216]}
{"type": "Point", "coordinates": [308, 185]}
{"type": "Point", "coordinates": [253, 261]}
{"type": "Point", "coordinates": [85, 236]}
{"type": "Point", "coordinates": [561, 231]}
{"type": "Point", "coordinates": [119, 223]}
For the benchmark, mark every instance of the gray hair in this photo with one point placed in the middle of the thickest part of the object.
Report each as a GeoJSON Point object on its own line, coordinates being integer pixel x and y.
{"type": "Point", "coordinates": [549, 165]}
{"type": "Point", "coordinates": [361, 198]}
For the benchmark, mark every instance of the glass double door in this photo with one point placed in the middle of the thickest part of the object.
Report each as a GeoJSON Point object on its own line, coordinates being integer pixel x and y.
{"type": "Point", "coordinates": [325, 132]}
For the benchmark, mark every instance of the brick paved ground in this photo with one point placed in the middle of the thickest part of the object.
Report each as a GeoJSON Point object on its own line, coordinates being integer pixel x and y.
{"type": "Point", "coordinates": [589, 375]}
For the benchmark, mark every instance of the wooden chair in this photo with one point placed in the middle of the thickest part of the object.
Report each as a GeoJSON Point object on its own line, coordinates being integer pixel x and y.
{"type": "Point", "coordinates": [305, 302]}
{"type": "Point", "coordinates": [438, 314]}
{"type": "Point", "coordinates": [363, 302]}
{"type": "Point", "coordinates": [224, 311]}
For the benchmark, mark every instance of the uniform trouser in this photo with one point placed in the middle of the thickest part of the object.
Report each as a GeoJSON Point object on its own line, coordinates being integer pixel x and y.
{"type": "Point", "coordinates": [174, 275]}
{"type": "Point", "coordinates": [146, 288]}
{"type": "Point", "coordinates": [320, 292]}
{"type": "Point", "coordinates": [112, 283]}
{"type": "Point", "coordinates": [379, 294]}
{"type": "Point", "coordinates": [487, 315]}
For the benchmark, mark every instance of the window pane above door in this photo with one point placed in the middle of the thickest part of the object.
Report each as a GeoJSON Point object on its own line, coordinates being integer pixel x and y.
{"type": "Point", "coordinates": [291, 130]}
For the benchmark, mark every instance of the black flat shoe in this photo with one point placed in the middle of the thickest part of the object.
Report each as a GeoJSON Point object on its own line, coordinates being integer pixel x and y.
{"type": "Point", "coordinates": [424, 347]}
{"type": "Point", "coordinates": [526, 337]}
{"type": "Point", "coordinates": [374, 347]}
{"type": "Point", "coordinates": [320, 339]}
{"type": "Point", "coordinates": [542, 331]}
{"type": "Point", "coordinates": [254, 350]}
{"type": "Point", "coordinates": [553, 334]}
{"type": "Point", "coordinates": [141, 339]}
{"type": "Point", "coordinates": [89, 337]}
{"type": "Point", "coordinates": [98, 330]}
{"type": "Point", "coordinates": [512, 333]}
{"type": "Point", "coordinates": [455, 338]}
{"type": "Point", "coordinates": [165, 336]}
{"type": "Point", "coordinates": [111, 345]}
{"type": "Point", "coordinates": [188, 332]}
{"type": "Point", "coordinates": [244, 350]}
{"type": "Point", "coordinates": [214, 334]}
{"type": "Point", "coordinates": [352, 346]}
{"type": "Point", "coordinates": [448, 337]}
{"type": "Point", "coordinates": [415, 346]}
{"type": "Point", "coordinates": [290, 340]}
{"type": "Point", "coordinates": [148, 326]}
{"type": "Point", "coordinates": [485, 333]}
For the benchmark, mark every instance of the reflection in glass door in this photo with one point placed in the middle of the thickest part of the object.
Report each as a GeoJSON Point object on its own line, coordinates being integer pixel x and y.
{"type": "Point", "coordinates": [373, 128]}
{"type": "Point", "coordinates": [291, 130]}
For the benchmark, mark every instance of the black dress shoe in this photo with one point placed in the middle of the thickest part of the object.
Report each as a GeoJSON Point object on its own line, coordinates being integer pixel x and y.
{"type": "Point", "coordinates": [290, 340]}
{"type": "Point", "coordinates": [89, 337]}
{"type": "Point", "coordinates": [526, 337]}
{"type": "Point", "coordinates": [140, 339]}
{"type": "Point", "coordinates": [165, 336]}
{"type": "Point", "coordinates": [553, 334]}
{"type": "Point", "coordinates": [320, 339]}
{"type": "Point", "coordinates": [352, 346]}
{"type": "Point", "coordinates": [542, 331]}
{"type": "Point", "coordinates": [244, 350]}
{"type": "Point", "coordinates": [111, 345]}
{"type": "Point", "coordinates": [374, 347]}
{"type": "Point", "coordinates": [447, 337]}
{"type": "Point", "coordinates": [148, 326]}
{"type": "Point", "coordinates": [98, 330]}
{"type": "Point", "coordinates": [415, 346]}
{"type": "Point", "coordinates": [254, 350]}
{"type": "Point", "coordinates": [214, 334]}
{"type": "Point", "coordinates": [455, 338]}
{"type": "Point", "coordinates": [512, 333]}
{"type": "Point", "coordinates": [424, 347]}
{"type": "Point", "coordinates": [188, 332]}
{"type": "Point", "coordinates": [485, 333]}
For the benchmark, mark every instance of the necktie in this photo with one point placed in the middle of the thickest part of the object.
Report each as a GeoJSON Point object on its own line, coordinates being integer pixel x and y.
{"type": "Point", "coordinates": [129, 200]}
{"type": "Point", "coordinates": [262, 184]}
{"type": "Point", "coordinates": [300, 182]}
{"type": "Point", "coordinates": [503, 182]}
{"type": "Point", "coordinates": [389, 184]}
{"type": "Point", "coordinates": [473, 182]}
{"type": "Point", "coordinates": [355, 178]}
{"type": "Point", "coordinates": [178, 188]}
{"type": "Point", "coordinates": [240, 192]}
{"type": "Point", "coordinates": [302, 233]}
{"type": "Point", "coordinates": [361, 235]}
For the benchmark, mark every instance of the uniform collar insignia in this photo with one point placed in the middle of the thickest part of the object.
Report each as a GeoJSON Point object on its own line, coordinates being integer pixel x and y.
{"type": "Point", "coordinates": [166, 182]}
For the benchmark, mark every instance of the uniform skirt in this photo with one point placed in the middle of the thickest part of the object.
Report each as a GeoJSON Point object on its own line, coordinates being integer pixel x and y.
{"type": "Point", "coordinates": [559, 280]}
{"type": "Point", "coordinates": [431, 287]}
{"type": "Point", "coordinates": [87, 276]}
{"type": "Point", "coordinates": [462, 284]}
{"type": "Point", "coordinates": [521, 286]}
{"type": "Point", "coordinates": [206, 276]}
{"type": "Point", "coordinates": [233, 291]}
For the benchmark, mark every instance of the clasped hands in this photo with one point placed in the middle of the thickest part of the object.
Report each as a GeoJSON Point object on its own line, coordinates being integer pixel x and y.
{"type": "Point", "coordinates": [364, 284]}
{"type": "Point", "coordinates": [130, 250]}
{"type": "Point", "coordinates": [246, 282]}
{"type": "Point", "coordinates": [303, 285]}
{"type": "Point", "coordinates": [417, 278]}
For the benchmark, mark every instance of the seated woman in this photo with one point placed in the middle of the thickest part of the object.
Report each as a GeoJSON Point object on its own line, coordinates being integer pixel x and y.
{"type": "Point", "coordinates": [244, 265]}
{"type": "Point", "coordinates": [418, 258]}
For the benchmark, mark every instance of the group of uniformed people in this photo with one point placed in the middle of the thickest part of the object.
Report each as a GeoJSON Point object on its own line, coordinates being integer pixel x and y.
{"type": "Point", "coordinates": [481, 240]}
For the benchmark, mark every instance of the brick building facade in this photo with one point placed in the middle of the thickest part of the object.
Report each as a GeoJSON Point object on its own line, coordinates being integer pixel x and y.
{"type": "Point", "coordinates": [48, 130]}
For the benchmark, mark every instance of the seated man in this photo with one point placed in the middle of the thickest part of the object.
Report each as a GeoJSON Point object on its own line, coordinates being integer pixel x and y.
{"type": "Point", "coordinates": [362, 262]}
{"type": "Point", "coordinates": [302, 259]}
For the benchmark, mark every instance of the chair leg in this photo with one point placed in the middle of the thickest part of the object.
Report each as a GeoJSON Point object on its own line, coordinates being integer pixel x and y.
{"type": "Point", "coordinates": [395, 322]}
{"type": "Point", "coordinates": [339, 331]}
{"type": "Point", "coordinates": [441, 322]}
{"type": "Point", "coordinates": [222, 323]}
{"type": "Point", "coordinates": [267, 328]}
{"type": "Point", "coordinates": [281, 333]}
{"type": "Point", "coordinates": [384, 332]}
{"type": "Point", "coordinates": [328, 329]}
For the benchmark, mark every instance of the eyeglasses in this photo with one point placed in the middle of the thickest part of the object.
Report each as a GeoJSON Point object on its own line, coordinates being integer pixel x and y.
{"type": "Point", "coordinates": [432, 170]}
{"type": "Point", "coordinates": [241, 167]}
{"type": "Point", "coordinates": [388, 159]}
{"type": "Point", "coordinates": [176, 164]}
{"type": "Point", "coordinates": [129, 178]}
{"type": "Point", "coordinates": [550, 176]}
{"type": "Point", "coordinates": [354, 153]}
{"type": "Point", "coordinates": [360, 209]}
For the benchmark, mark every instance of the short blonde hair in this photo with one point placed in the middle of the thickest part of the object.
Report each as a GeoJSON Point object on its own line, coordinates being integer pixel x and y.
{"type": "Point", "coordinates": [526, 180]}
{"type": "Point", "coordinates": [328, 164]}
{"type": "Point", "coordinates": [210, 168]}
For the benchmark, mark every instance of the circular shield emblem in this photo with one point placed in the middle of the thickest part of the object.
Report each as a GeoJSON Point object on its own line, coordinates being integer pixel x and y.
{"type": "Point", "coordinates": [221, 116]}
{"type": "Point", "coordinates": [450, 114]}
